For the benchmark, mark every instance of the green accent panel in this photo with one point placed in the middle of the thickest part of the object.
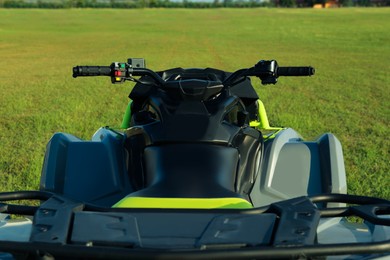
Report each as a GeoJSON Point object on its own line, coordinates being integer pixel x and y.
{"type": "Point", "coordinates": [127, 116]}
{"type": "Point", "coordinates": [183, 203]}
{"type": "Point", "coordinates": [263, 115]}
{"type": "Point", "coordinates": [263, 123]}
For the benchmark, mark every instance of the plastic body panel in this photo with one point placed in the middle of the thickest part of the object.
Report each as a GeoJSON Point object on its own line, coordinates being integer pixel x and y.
{"type": "Point", "coordinates": [14, 230]}
{"type": "Point", "coordinates": [93, 171]}
{"type": "Point", "coordinates": [292, 167]}
{"type": "Point", "coordinates": [183, 203]}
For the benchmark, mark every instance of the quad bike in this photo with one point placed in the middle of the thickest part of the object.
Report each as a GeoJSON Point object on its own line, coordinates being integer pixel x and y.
{"type": "Point", "coordinates": [196, 172]}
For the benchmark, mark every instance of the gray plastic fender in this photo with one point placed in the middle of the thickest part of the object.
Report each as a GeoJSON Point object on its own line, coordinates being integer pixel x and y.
{"type": "Point", "coordinates": [292, 167]}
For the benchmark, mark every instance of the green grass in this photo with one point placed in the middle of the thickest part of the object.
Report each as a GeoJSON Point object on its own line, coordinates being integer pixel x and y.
{"type": "Point", "coordinates": [348, 96]}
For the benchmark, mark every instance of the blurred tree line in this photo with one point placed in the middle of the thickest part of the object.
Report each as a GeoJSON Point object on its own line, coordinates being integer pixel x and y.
{"type": "Point", "coordinates": [52, 4]}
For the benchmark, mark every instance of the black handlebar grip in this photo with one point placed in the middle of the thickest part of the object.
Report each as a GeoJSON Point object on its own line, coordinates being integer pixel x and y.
{"type": "Point", "coordinates": [295, 71]}
{"type": "Point", "coordinates": [91, 71]}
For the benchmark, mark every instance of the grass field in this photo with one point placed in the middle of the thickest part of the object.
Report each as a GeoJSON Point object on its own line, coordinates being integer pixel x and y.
{"type": "Point", "coordinates": [348, 96]}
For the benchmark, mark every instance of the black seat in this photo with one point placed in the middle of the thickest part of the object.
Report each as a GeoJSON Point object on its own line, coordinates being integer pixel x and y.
{"type": "Point", "coordinates": [189, 171]}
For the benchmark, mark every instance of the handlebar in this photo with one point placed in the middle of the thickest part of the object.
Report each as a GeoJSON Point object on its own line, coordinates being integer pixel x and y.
{"type": "Point", "coordinates": [146, 72]}
{"type": "Point", "coordinates": [267, 70]}
{"type": "Point", "coordinates": [91, 71]}
{"type": "Point", "coordinates": [295, 71]}
{"type": "Point", "coordinates": [118, 72]}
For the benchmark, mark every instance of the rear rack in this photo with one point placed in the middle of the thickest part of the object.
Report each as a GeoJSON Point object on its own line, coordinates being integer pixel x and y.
{"type": "Point", "coordinates": [287, 229]}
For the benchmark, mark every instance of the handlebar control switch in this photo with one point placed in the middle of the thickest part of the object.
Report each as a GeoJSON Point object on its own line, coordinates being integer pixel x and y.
{"type": "Point", "coordinates": [266, 71]}
{"type": "Point", "coordinates": [120, 72]}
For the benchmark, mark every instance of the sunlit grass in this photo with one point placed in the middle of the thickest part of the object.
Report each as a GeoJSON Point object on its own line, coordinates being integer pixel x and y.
{"type": "Point", "coordinates": [349, 95]}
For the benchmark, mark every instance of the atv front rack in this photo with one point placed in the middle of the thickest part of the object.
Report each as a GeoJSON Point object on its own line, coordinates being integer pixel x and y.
{"type": "Point", "coordinates": [65, 228]}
